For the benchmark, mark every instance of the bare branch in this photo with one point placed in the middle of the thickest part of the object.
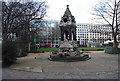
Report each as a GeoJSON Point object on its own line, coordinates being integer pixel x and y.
{"type": "Point", "coordinates": [17, 16]}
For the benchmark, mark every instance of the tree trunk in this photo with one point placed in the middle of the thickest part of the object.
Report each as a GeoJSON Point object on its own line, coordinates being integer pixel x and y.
{"type": "Point", "coordinates": [29, 46]}
{"type": "Point", "coordinates": [115, 42]}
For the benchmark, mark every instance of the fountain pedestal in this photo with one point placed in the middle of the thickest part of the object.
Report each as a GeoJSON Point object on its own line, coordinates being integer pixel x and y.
{"type": "Point", "coordinates": [68, 52]}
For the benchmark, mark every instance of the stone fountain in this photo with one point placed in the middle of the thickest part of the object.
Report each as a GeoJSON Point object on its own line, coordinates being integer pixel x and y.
{"type": "Point", "coordinates": [68, 46]}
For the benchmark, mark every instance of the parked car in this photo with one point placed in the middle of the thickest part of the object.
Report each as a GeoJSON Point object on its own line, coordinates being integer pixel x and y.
{"type": "Point", "coordinates": [44, 46]}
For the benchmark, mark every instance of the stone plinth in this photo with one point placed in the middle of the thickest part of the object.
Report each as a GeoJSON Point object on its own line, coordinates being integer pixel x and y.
{"type": "Point", "coordinates": [68, 52]}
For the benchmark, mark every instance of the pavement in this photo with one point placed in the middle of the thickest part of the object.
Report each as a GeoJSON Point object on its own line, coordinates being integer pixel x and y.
{"type": "Point", "coordinates": [100, 66]}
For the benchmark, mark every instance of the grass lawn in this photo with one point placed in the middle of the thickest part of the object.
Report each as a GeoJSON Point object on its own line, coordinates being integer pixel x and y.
{"type": "Point", "coordinates": [47, 49]}
{"type": "Point", "coordinates": [88, 48]}
{"type": "Point", "coordinates": [55, 49]}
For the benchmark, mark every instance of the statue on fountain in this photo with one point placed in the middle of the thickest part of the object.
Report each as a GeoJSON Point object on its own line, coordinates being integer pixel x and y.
{"type": "Point", "coordinates": [68, 46]}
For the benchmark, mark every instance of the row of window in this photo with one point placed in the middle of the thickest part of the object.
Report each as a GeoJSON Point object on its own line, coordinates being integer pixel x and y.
{"type": "Point", "coordinates": [88, 25]}
{"type": "Point", "coordinates": [93, 27]}
{"type": "Point", "coordinates": [93, 33]}
{"type": "Point", "coordinates": [92, 36]}
{"type": "Point", "coordinates": [81, 25]}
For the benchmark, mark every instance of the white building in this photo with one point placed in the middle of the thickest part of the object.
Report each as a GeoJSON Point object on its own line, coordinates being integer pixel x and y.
{"type": "Point", "coordinates": [92, 33]}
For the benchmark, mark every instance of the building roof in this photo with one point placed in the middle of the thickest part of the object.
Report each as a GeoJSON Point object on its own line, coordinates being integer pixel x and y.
{"type": "Point", "coordinates": [67, 12]}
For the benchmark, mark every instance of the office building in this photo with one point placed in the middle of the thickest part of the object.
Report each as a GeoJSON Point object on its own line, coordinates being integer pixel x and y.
{"type": "Point", "coordinates": [92, 33]}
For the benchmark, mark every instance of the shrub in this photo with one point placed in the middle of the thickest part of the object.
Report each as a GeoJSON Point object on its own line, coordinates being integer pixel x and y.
{"type": "Point", "coordinates": [21, 52]}
{"type": "Point", "coordinates": [9, 53]}
{"type": "Point", "coordinates": [115, 51]}
{"type": "Point", "coordinates": [24, 54]}
{"type": "Point", "coordinates": [21, 48]}
{"type": "Point", "coordinates": [107, 45]}
{"type": "Point", "coordinates": [112, 50]}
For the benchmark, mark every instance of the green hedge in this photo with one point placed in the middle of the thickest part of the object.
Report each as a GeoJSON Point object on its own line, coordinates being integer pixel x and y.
{"type": "Point", "coordinates": [9, 53]}
{"type": "Point", "coordinates": [88, 48]}
{"type": "Point", "coordinates": [12, 50]}
{"type": "Point", "coordinates": [46, 49]}
{"type": "Point", "coordinates": [106, 45]}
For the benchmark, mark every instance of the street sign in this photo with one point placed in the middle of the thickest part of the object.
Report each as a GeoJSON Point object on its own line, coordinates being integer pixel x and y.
{"type": "Point", "coordinates": [34, 40]}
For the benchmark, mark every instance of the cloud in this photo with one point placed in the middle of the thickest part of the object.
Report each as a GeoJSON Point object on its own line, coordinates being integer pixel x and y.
{"type": "Point", "coordinates": [79, 8]}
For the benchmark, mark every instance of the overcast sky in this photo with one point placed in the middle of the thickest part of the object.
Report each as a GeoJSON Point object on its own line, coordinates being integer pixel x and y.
{"type": "Point", "coordinates": [80, 9]}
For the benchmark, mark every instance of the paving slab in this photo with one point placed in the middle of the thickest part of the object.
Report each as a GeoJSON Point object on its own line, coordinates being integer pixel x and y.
{"type": "Point", "coordinates": [38, 76]}
{"type": "Point", "coordinates": [58, 68]}
{"type": "Point", "coordinates": [76, 76]}
{"type": "Point", "coordinates": [100, 66]}
{"type": "Point", "coordinates": [108, 76]}
{"type": "Point", "coordinates": [68, 76]}
{"type": "Point", "coordinates": [25, 65]}
{"type": "Point", "coordinates": [89, 76]}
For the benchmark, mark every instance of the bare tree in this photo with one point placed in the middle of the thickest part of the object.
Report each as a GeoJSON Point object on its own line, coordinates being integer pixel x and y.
{"type": "Point", "coordinates": [17, 17]}
{"type": "Point", "coordinates": [107, 10]}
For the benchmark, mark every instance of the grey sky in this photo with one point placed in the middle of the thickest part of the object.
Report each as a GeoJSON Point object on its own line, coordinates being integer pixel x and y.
{"type": "Point", "coordinates": [81, 9]}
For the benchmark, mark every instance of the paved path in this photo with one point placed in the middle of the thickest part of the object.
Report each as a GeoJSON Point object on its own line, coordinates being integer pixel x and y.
{"type": "Point", "coordinates": [100, 66]}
